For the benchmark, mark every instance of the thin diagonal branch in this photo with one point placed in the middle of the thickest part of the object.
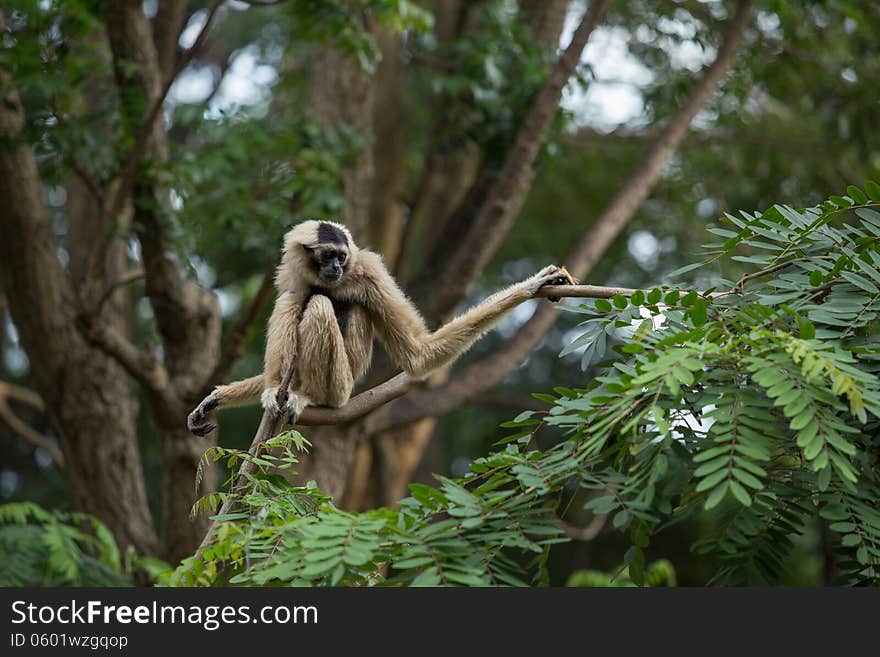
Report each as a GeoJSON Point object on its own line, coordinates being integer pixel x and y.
{"type": "Point", "coordinates": [126, 278]}
{"type": "Point", "coordinates": [21, 394]}
{"type": "Point", "coordinates": [30, 434]}
{"type": "Point", "coordinates": [9, 391]}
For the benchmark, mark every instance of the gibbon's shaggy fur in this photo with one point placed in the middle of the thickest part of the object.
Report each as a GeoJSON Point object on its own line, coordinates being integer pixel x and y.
{"type": "Point", "coordinates": [332, 298]}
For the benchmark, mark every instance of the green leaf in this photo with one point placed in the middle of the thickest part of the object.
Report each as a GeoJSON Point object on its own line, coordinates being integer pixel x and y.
{"type": "Point", "coordinates": [740, 493]}
{"type": "Point", "coordinates": [683, 270]}
{"type": "Point", "coordinates": [856, 194]}
{"type": "Point", "coordinates": [698, 313]}
{"type": "Point", "coordinates": [748, 479]}
{"type": "Point", "coordinates": [603, 305]}
{"type": "Point", "coordinates": [716, 496]}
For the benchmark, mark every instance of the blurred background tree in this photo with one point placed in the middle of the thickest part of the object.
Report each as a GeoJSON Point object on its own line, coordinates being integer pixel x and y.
{"type": "Point", "coordinates": [154, 153]}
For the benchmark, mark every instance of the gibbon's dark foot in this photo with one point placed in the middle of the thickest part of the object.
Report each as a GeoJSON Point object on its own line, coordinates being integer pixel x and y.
{"type": "Point", "coordinates": [197, 420]}
{"type": "Point", "coordinates": [563, 278]}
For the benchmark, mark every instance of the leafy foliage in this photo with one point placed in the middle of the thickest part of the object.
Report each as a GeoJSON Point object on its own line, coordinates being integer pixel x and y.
{"type": "Point", "coordinates": [761, 400]}
{"type": "Point", "coordinates": [53, 548]}
{"type": "Point", "coordinates": [760, 403]}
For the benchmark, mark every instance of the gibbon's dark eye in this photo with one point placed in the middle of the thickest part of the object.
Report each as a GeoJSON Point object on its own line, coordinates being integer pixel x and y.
{"type": "Point", "coordinates": [342, 257]}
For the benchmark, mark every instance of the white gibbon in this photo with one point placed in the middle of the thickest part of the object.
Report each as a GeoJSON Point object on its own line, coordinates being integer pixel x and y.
{"type": "Point", "coordinates": [332, 298]}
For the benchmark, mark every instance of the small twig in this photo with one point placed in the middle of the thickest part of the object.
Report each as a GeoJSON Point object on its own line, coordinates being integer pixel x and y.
{"type": "Point", "coordinates": [28, 433]}
{"type": "Point", "coordinates": [21, 394]}
{"type": "Point", "coordinates": [126, 278]}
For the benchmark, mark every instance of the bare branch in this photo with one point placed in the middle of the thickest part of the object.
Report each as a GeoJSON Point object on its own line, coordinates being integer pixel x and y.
{"type": "Point", "coordinates": [29, 434]}
{"type": "Point", "coordinates": [10, 391]}
{"type": "Point", "coordinates": [125, 279]}
{"type": "Point", "coordinates": [359, 405]}
{"type": "Point", "coordinates": [21, 394]}
{"type": "Point", "coordinates": [167, 26]}
{"type": "Point", "coordinates": [234, 348]}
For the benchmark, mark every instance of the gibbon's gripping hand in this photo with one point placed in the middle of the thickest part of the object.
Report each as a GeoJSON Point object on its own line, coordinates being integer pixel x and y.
{"type": "Point", "coordinates": [197, 422]}
{"type": "Point", "coordinates": [552, 275]}
{"type": "Point", "coordinates": [293, 407]}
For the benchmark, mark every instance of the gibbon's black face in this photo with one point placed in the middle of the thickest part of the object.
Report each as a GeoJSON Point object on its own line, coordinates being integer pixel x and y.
{"type": "Point", "coordinates": [330, 256]}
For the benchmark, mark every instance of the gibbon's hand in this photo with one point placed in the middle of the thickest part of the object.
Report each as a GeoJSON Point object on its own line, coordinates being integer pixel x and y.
{"type": "Point", "coordinates": [551, 275]}
{"type": "Point", "coordinates": [197, 422]}
{"type": "Point", "coordinates": [293, 407]}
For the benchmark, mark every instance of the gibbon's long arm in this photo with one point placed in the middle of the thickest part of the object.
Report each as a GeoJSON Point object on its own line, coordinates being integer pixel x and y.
{"type": "Point", "coordinates": [400, 327]}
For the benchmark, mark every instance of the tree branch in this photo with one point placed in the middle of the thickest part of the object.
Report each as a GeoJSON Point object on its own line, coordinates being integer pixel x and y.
{"type": "Point", "coordinates": [397, 386]}
{"type": "Point", "coordinates": [28, 433]}
{"type": "Point", "coordinates": [7, 414]}
{"type": "Point", "coordinates": [359, 405]}
{"type": "Point", "coordinates": [22, 394]}
{"type": "Point", "coordinates": [167, 26]}
{"type": "Point", "coordinates": [499, 209]}
{"type": "Point", "coordinates": [144, 367]}
{"type": "Point", "coordinates": [128, 277]}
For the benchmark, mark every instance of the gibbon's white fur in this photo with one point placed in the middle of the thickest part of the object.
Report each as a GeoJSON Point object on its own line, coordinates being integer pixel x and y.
{"type": "Point", "coordinates": [332, 299]}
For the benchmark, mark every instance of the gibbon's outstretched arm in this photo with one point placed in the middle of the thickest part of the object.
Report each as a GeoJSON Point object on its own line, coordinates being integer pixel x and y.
{"type": "Point", "coordinates": [415, 349]}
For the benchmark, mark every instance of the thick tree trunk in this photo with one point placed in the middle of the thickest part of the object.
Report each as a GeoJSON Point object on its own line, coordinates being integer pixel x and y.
{"type": "Point", "coordinates": [89, 400]}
